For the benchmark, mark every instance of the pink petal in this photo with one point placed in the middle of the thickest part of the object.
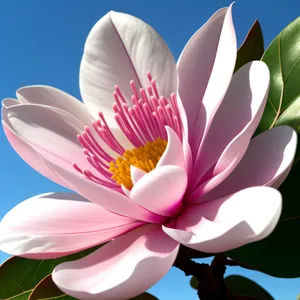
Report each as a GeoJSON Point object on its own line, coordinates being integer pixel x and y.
{"type": "Point", "coordinates": [136, 174]}
{"type": "Point", "coordinates": [205, 68]}
{"type": "Point", "coordinates": [125, 191]}
{"type": "Point", "coordinates": [57, 224]}
{"type": "Point", "coordinates": [173, 154]}
{"type": "Point", "coordinates": [105, 197]}
{"type": "Point", "coordinates": [10, 102]}
{"type": "Point", "coordinates": [247, 96]}
{"type": "Point", "coordinates": [187, 153]}
{"type": "Point", "coordinates": [230, 222]}
{"type": "Point", "coordinates": [122, 269]}
{"type": "Point", "coordinates": [52, 133]}
{"type": "Point", "coordinates": [161, 190]}
{"type": "Point", "coordinates": [30, 156]}
{"type": "Point", "coordinates": [267, 161]}
{"type": "Point", "coordinates": [121, 48]}
{"type": "Point", "coordinates": [188, 158]}
{"type": "Point", "coordinates": [47, 95]}
{"type": "Point", "coordinates": [50, 130]}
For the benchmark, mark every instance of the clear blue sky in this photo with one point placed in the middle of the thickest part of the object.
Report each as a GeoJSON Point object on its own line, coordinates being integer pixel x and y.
{"type": "Point", "coordinates": [42, 43]}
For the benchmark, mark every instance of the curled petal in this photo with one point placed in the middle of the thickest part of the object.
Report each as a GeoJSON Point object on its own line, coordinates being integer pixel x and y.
{"type": "Point", "coordinates": [161, 190]}
{"type": "Point", "coordinates": [50, 96]}
{"type": "Point", "coordinates": [267, 161]}
{"type": "Point", "coordinates": [10, 102]}
{"type": "Point", "coordinates": [136, 174]}
{"type": "Point", "coordinates": [173, 154]}
{"type": "Point", "coordinates": [120, 269]}
{"type": "Point", "coordinates": [230, 222]}
{"type": "Point", "coordinates": [103, 196]}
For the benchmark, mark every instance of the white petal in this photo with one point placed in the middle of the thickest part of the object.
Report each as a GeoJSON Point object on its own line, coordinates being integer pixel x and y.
{"type": "Point", "coordinates": [121, 48]}
{"type": "Point", "coordinates": [47, 95]}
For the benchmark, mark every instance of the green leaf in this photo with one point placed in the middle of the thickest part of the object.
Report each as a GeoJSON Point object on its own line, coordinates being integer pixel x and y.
{"type": "Point", "coordinates": [291, 116]}
{"type": "Point", "coordinates": [46, 289]}
{"type": "Point", "coordinates": [19, 275]}
{"type": "Point", "coordinates": [243, 286]}
{"type": "Point", "coordinates": [278, 254]}
{"type": "Point", "coordinates": [252, 48]}
{"type": "Point", "coordinates": [194, 283]}
{"type": "Point", "coordinates": [283, 60]}
{"type": "Point", "coordinates": [22, 296]}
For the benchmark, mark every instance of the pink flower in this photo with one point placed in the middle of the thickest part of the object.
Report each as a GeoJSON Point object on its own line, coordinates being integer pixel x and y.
{"type": "Point", "coordinates": [164, 158]}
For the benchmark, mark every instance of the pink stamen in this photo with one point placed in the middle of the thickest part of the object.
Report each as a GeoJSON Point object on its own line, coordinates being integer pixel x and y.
{"type": "Point", "coordinates": [142, 119]}
{"type": "Point", "coordinates": [154, 88]}
{"type": "Point", "coordinates": [138, 133]}
{"type": "Point", "coordinates": [133, 87]}
{"type": "Point", "coordinates": [159, 123]}
{"type": "Point", "coordinates": [89, 175]}
{"type": "Point", "coordinates": [149, 76]}
{"type": "Point", "coordinates": [111, 140]}
{"type": "Point", "coordinates": [145, 119]}
{"type": "Point", "coordinates": [117, 88]}
{"type": "Point", "coordinates": [149, 90]}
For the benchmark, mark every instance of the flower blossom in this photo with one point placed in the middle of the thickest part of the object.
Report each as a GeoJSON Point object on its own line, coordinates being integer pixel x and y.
{"type": "Point", "coordinates": [158, 153]}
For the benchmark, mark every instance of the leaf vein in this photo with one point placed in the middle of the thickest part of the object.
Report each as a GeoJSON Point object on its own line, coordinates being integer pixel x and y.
{"type": "Point", "coordinates": [294, 65]}
{"type": "Point", "coordinates": [282, 88]}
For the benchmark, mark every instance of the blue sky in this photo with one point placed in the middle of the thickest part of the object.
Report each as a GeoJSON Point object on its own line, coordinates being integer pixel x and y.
{"type": "Point", "coordinates": [42, 43]}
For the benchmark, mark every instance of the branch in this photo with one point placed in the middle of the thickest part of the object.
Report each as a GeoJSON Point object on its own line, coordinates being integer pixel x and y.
{"type": "Point", "coordinates": [210, 277]}
{"type": "Point", "coordinates": [234, 263]}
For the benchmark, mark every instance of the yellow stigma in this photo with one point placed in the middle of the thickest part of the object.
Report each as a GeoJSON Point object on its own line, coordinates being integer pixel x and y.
{"type": "Point", "coordinates": [144, 158]}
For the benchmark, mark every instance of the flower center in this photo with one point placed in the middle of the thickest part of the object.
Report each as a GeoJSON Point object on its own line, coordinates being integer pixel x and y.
{"type": "Point", "coordinates": [145, 158]}
{"type": "Point", "coordinates": [142, 119]}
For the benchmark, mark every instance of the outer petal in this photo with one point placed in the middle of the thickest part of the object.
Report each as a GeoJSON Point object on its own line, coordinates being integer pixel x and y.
{"type": "Point", "coordinates": [9, 102]}
{"type": "Point", "coordinates": [122, 269]}
{"type": "Point", "coordinates": [105, 197]}
{"type": "Point", "coordinates": [205, 68]}
{"type": "Point", "coordinates": [247, 96]}
{"type": "Point", "coordinates": [267, 161]}
{"type": "Point", "coordinates": [161, 190]}
{"type": "Point", "coordinates": [173, 154]}
{"type": "Point", "coordinates": [51, 131]}
{"type": "Point", "coordinates": [47, 95]}
{"type": "Point", "coordinates": [121, 48]}
{"type": "Point", "coordinates": [30, 156]}
{"type": "Point", "coordinates": [230, 222]}
{"type": "Point", "coordinates": [57, 224]}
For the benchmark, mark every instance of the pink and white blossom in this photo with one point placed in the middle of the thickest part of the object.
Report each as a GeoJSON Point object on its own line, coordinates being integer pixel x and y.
{"type": "Point", "coordinates": [159, 154]}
